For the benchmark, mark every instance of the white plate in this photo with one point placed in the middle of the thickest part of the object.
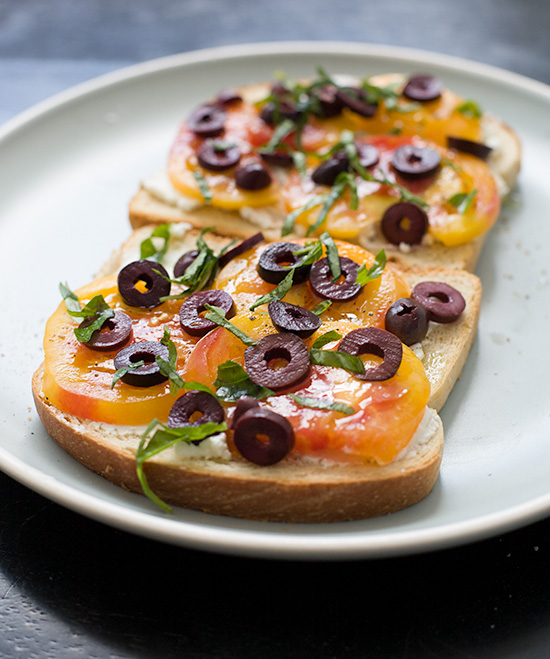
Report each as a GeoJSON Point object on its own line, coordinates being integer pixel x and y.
{"type": "Point", "coordinates": [68, 169]}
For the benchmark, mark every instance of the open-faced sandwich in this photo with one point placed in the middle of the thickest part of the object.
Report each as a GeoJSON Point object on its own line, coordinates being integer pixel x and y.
{"type": "Point", "coordinates": [393, 162]}
{"type": "Point", "coordinates": [295, 381]}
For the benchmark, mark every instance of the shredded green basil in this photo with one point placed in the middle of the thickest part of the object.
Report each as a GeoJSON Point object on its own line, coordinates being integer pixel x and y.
{"type": "Point", "coordinates": [217, 315]}
{"type": "Point", "coordinates": [97, 310]}
{"type": "Point", "coordinates": [327, 337]}
{"type": "Point", "coordinates": [233, 382]}
{"type": "Point", "coordinates": [470, 108]}
{"type": "Point", "coordinates": [121, 372]}
{"type": "Point", "coordinates": [374, 272]}
{"type": "Point", "coordinates": [463, 200]}
{"type": "Point", "coordinates": [203, 186]}
{"type": "Point", "coordinates": [337, 359]}
{"type": "Point", "coordinates": [321, 404]}
{"type": "Point", "coordinates": [162, 438]}
{"type": "Point", "coordinates": [148, 249]}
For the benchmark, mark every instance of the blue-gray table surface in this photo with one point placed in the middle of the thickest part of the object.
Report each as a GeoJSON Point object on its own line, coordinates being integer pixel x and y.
{"type": "Point", "coordinates": [72, 587]}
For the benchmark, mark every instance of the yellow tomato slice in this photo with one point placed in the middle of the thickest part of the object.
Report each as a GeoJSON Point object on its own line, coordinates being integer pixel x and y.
{"type": "Point", "coordinates": [433, 120]}
{"type": "Point", "coordinates": [244, 128]}
{"type": "Point", "coordinates": [78, 379]}
{"type": "Point", "coordinates": [458, 175]}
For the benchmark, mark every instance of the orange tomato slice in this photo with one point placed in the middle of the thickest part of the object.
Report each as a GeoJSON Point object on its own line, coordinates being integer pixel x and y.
{"type": "Point", "coordinates": [78, 379]}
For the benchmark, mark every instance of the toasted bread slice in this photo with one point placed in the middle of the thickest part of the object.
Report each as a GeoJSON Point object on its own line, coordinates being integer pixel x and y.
{"type": "Point", "coordinates": [301, 490]}
{"type": "Point", "coordinates": [157, 201]}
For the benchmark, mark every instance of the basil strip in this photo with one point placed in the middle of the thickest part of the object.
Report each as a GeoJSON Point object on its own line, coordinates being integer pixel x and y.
{"type": "Point", "coordinates": [161, 440]}
{"type": "Point", "coordinates": [168, 368]}
{"type": "Point", "coordinates": [470, 109]}
{"type": "Point", "coordinates": [332, 255]}
{"type": "Point", "coordinates": [233, 382]}
{"type": "Point", "coordinates": [327, 337]}
{"type": "Point", "coordinates": [203, 186]}
{"type": "Point", "coordinates": [322, 307]}
{"type": "Point", "coordinates": [147, 248]}
{"type": "Point", "coordinates": [374, 272]}
{"type": "Point", "coordinates": [121, 372]}
{"type": "Point", "coordinates": [463, 200]}
{"type": "Point", "coordinates": [348, 142]}
{"type": "Point", "coordinates": [337, 359]}
{"type": "Point", "coordinates": [311, 252]}
{"type": "Point", "coordinates": [217, 315]}
{"type": "Point", "coordinates": [200, 273]}
{"type": "Point", "coordinates": [320, 404]}
{"type": "Point", "coordinates": [96, 309]}
{"type": "Point", "coordinates": [281, 131]}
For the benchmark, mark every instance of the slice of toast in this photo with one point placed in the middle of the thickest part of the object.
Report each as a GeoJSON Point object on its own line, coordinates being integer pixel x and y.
{"type": "Point", "coordinates": [161, 203]}
{"type": "Point", "coordinates": [210, 478]}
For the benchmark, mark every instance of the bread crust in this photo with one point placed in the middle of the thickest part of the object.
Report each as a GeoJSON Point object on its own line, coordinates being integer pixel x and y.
{"type": "Point", "coordinates": [293, 491]}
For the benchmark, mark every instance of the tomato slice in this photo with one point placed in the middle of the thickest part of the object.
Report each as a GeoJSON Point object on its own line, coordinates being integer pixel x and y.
{"type": "Point", "coordinates": [386, 413]}
{"type": "Point", "coordinates": [244, 128]}
{"type": "Point", "coordinates": [78, 379]}
{"type": "Point", "coordinates": [433, 120]}
{"type": "Point", "coordinates": [458, 175]}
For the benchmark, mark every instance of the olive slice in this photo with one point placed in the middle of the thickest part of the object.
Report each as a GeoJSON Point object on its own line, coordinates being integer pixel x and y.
{"type": "Point", "coordinates": [477, 149]}
{"type": "Point", "coordinates": [278, 158]}
{"type": "Point", "coordinates": [244, 404]}
{"type": "Point", "coordinates": [443, 303]}
{"type": "Point", "coordinates": [320, 279]}
{"type": "Point", "coordinates": [423, 87]}
{"type": "Point", "coordinates": [408, 320]}
{"type": "Point", "coordinates": [252, 176]}
{"type": "Point", "coordinates": [263, 437]}
{"type": "Point", "coordinates": [404, 222]}
{"type": "Point", "coordinates": [413, 162]}
{"type": "Point", "coordinates": [274, 113]}
{"type": "Point", "coordinates": [241, 248]}
{"type": "Point", "coordinates": [288, 317]}
{"type": "Point", "coordinates": [184, 262]}
{"type": "Point", "coordinates": [217, 156]}
{"type": "Point", "coordinates": [152, 275]}
{"type": "Point", "coordinates": [330, 104]}
{"type": "Point", "coordinates": [116, 331]}
{"type": "Point", "coordinates": [277, 361]}
{"type": "Point", "coordinates": [368, 154]}
{"type": "Point", "coordinates": [228, 97]}
{"type": "Point", "coordinates": [355, 99]}
{"type": "Point", "coordinates": [275, 261]}
{"type": "Point", "coordinates": [328, 170]}
{"type": "Point", "coordinates": [378, 342]}
{"type": "Point", "coordinates": [147, 375]}
{"type": "Point", "coordinates": [207, 120]}
{"type": "Point", "coordinates": [195, 408]}
{"type": "Point", "coordinates": [190, 319]}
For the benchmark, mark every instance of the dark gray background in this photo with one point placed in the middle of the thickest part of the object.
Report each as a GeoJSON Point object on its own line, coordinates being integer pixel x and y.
{"type": "Point", "coordinates": [73, 588]}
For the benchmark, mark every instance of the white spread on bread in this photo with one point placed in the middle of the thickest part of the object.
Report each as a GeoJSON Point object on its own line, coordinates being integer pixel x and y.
{"type": "Point", "coordinates": [160, 187]}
